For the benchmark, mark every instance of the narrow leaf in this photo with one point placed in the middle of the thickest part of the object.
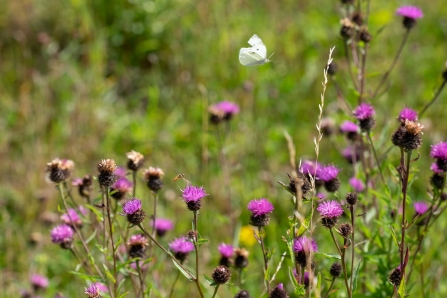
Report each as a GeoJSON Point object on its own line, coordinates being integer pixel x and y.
{"type": "Point", "coordinates": [188, 274]}
{"type": "Point", "coordinates": [356, 274]}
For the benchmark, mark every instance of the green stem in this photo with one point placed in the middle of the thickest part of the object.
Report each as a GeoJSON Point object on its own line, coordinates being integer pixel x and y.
{"type": "Point", "coordinates": [108, 208]}
{"type": "Point", "coordinates": [405, 173]}
{"type": "Point", "coordinates": [330, 287]}
{"type": "Point", "coordinates": [375, 157]}
{"type": "Point", "coordinates": [266, 266]}
{"type": "Point", "coordinates": [343, 264]}
{"type": "Point", "coordinates": [396, 58]}
{"type": "Point", "coordinates": [173, 285]}
{"type": "Point", "coordinates": [351, 208]}
{"type": "Point", "coordinates": [215, 291]}
{"type": "Point", "coordinates": [433, 99]}
{"type": "Point", "coordinates": [140, 276]}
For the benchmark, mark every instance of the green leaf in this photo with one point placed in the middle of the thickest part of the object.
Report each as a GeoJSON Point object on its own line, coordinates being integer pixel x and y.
{"type": "Point", "coordinates": [331, 256]}
{"type": "Point", "coordinates": [188, 274]}
{"type": "Point", "coordinates": [356, 274]}
{"type": "Point", "coordinates": [292, 278]}
{"type": "Point", "coordinates": [109, 274]}
{"type": "Point", "coordinates": [210, 281]}
{"type": "Point", "coordinates": [95, 211]}
{"type": "Point", "coordinates": [305, 225]}
{"type": "Point", "coordinates": [394, 236]}
{"type": "Point", "coordinates": [299, 290]}
{"type": "Point", "coordinates": [92, 236]}
{"type": "Point", "coordinates": [402, 287]}
{"type": "Point", "coordinates": [202, 241]}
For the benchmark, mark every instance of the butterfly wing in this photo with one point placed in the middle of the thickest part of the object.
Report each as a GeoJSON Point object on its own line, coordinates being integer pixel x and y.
{"type": "Point", "coordinates": [256, 55]}
{"type": "Point", "coordinates": [249, 57]}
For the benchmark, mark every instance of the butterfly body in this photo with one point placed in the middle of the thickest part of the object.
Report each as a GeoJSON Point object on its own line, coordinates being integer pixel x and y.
{"type": "Point", "coordinates": [256, 55]}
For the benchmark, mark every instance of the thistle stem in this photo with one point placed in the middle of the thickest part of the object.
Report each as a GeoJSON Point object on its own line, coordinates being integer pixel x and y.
{"type": "Point", "coordinates": [215, 291]}
{"type": "Point", "coordinates": [108, 208]}
{"type": "Point", "coordinates": [385, 76]}
{"type": "Point", "coordinates": [433, 99]}
{"type": "Point", "coordinates": [343, 264]}
{"type": "Point", "coordinates": [173, 285]}
{"type": "Point", "coordinates": [140, 276]}
{"type": "Point", "coordinates": [264, 253]}
{"type": "Point", "coordinates": [330, 288]}
{"type": "Point", "coordinates": [351, 208]}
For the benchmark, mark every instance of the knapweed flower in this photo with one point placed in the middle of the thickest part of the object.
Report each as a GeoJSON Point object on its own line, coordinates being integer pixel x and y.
{"type": "Point", "coordinates": [407, 114]}
{"type": "Point", "coordinates": [364, 35]}
{"type": "Point", "coordinates": [347, 28]}
{"type": "Point", "coordinates": [328, 124]}
{"type": "Point", "coordinates": [437, 179]}
{"type": "Point", "coordinates": [310, 169]}
{"type": "Point", "coordinates": [39, 282]}
{"type": "Point", "coordinates": [345, 230]}
{"type": "Point", "coordinates": [221, 275]}
{"type": "Point", "coordinates": [163, 225]}
{"type": "Point", "coordinates": [226, 252]}
{"type": "Point", "coordinates": [329, 174]}
{"type": "Point", "coordinates": [137, 246]}
{"type": "Point", "coordinates": [420, 207]}
{"type": "Point", "coordinates": [72, 217]}
{"type": "Point", "coordinates": [223, 110]}
{"type": "Point", "coordinates": [260, 212]}
{"type": "Point", "coordinates": [102, 287]}
{"type": "Point", "coordinates": [242, 294]}
{"type": "Point", "coordinates": [192, 195]}
{"type": "Point", "coordinates": [132, 209]}
{"type": "Point", "coordinates": [84, 185]}
{"type": "Point", "coordinates": [63, 235]}
{"type": "Point", "coordinates": [410, 14]}
{"type": "Point", "coordinates": [439, 152]}
{"type": "Point", "coordinates": [92, 291]}
{"type": "Point", "coordinates": [299, 278]}
{"type": "Point", "coordinates": [335, 270]}
{"type": "Point", "coordinates": [181, 247]}
{"type": "Point", "coordinates": [302, 180]}
{"type": "Point", "coordinates": [351, 198]}
{"type": "Point", "coordinates": [153, 176]}
{"type": "Point", "coordinates": [279, 292]}
{"type": "Point", "coordinates": [301, 247]}
{"type": "Point", "coordinates": [330, 211]}
{"type": "Point", "coordinates": [120, 172]}
{"type": "Point", "coordinates": [59, 170]}
{"type": "Point", "coordinates": [120, 188]}
{"type": "Point", "coordinates": [352, 154]}
{"type": "Point", "coordinates": [364, 114]}
{"type": "Point", "coordinates": [135, 160]}
{"type": "Point", "coordinates": [395, 277]}
{"type": "Point", "coordinates": [106, 176]}
{"type": "Point", "coordinates": [350, 129]}
{"type": "Point", "coordinates": [241, 258]}
{"type": "Point", "coordinates": [408, 136]}
{"type": "Point", "coordinates": [356, 184]}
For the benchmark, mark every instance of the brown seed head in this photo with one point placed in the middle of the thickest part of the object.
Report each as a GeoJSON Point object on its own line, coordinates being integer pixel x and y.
{"type": "Point", "coordinates": [107, 166]}
{"type": "Point", "coordinates": [153, 172]}
{"type": "Point", "coordinates": [136, 160]}
{"type": "Point", "coordinates": [413, 127]}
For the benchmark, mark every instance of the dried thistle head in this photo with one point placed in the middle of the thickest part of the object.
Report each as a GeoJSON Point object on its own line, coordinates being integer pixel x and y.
{"type": "Point", "coordinates": [414, 127]}
{"type": "Point", "coordinates": [153, 178]}
{"type": "Point", "coordinates": [106, 166]}
{"type": "Point", "coordinates": [135, 160]}
{"type": "Point", "coordinates": [59, 169]}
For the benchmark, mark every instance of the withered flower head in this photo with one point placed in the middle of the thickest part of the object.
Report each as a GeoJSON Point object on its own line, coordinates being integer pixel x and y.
{"type": "Point", "coordinates": [153, 178]}
{"type": "Point", "coordinates": [59, 169]}
{"type": "Point", "coordinates": [136, 160]}
{"type": "Point", "coordinates": [106, 176]}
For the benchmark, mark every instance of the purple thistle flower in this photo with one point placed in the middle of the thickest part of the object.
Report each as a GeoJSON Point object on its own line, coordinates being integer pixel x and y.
{"type": "Point", "coordinates": [77, 182]}
{"type": "Point", "coordinates": [193, 193]}
{"type": "Point", "coordinates": [411, 12]}
{"type": "Point", "coordinates": [321, 196]}
{"type": "Point", "coordinates": [330, 209]}
{"type": "Point", "coordinates": [356, 184]}
{"type": "Point", "coordinates": [181, 245]}
{"type": "Point", "coordinates": [162, 225]}
{"type": "Point", "coordinates": [39, 281]}
{"type": "Point", "coordinates": [260, 207]}
{"type": "Point", "coordinates": [72, 215]}
{"type": "Point", "coordinates": [309, 167]}
{"type": "Point", "coordinates": [420, 207]}
{"type": "Point", "coordinates": [120, 172]}
{"type": "Point", "coordinates": [92, 291]}
{"type": "Point", "coordinates": [138, 239]}
{"type": "Point", "coordinates": [61, 234]}
{"type": "Point", "coordinates": [328, 173]}
{"type": "Point", "coordinates": [304, 244]}
{"type": "Point", "coordinates": [101, 287]}
{"type": "Point", "coordinates": [123, 185]}
{"type": "Point", "coordinates": [349, 127]}
{"type": "Point", "coordinates": [227, 107]}
{"type": "Point", "coordinates": [132, 206]}
{"type": "Point", "coordinates": [351, 154]}
{"type": "Point", "coordinates": [298, 277]}
{"type": "Point", "coordinates": [364, 111]}
{"type": "Point", "coordinates": [439, 151]}
{"type": "Point", "coordinates": [408, 114]}
{"type": "Point", "coordinates": [226, 250]}
{"type": "Point", "coordinates": [435, 168]}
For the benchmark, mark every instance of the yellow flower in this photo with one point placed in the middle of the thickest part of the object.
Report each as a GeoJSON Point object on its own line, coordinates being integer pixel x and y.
{"type": "Point", "coordinates": [246, 237]}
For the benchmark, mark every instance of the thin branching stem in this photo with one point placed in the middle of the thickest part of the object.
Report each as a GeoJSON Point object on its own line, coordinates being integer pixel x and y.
{"type": "Point", "coordinates": [396, 58]}
{"type": "Point", "coordinates": [435, 97]}
{"type": "Point", "coordinates": [264, 254]}
{"type": "Point", "coordinates": [84, 244]}
{"type": "Point", "coordinates": [330, 287]}
{"type": "Point", "coordinates": [140, 276]}
{"type": "Point", "coordinates": [375, 157]}
{"type": "Point", "coordinates": [109, 218]}
{"type": "Point", "coordinates": [174, 283]}
{"type": "Point", "coordinates": [343, 264]}
{"type": "Point", "coordinates": [215, 291]}
{"type": "Point", "coordinates": [351, 209]}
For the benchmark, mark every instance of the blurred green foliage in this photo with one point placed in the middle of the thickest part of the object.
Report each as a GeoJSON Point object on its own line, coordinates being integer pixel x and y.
{"type": "Point", "coordinates": [87, 80]}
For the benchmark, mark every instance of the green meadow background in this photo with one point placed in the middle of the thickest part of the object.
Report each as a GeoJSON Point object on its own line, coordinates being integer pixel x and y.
{"type": "Point", "coordinates": [87, 80]}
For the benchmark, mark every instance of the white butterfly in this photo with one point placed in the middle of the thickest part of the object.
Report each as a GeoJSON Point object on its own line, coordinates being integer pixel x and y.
{"type": "Point", "coordinates": [256, 55]}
